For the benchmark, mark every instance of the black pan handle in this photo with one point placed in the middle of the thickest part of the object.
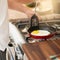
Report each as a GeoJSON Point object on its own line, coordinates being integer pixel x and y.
{"type": "Point", "coordinates": [34, 21]}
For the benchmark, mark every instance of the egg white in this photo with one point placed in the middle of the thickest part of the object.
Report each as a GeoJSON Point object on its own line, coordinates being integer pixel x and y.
{"type": "Point", "coordinates": [41, 33]}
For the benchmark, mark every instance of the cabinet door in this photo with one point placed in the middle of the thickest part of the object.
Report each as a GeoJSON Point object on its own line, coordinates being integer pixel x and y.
{"type": "Point", "coordinates": [56, 6]}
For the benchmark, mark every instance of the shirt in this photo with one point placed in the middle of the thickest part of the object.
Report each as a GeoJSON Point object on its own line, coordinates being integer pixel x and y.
{"type": "Point", "coordinates": [4, 35]}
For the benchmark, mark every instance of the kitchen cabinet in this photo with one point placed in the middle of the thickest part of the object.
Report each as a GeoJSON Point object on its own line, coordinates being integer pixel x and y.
{"type": "Point", "coordinates": [45, 5]}
{"type": "Point", "coordinates": [56, 6]}
{"type": "Point", "coordinates": [42, 50]}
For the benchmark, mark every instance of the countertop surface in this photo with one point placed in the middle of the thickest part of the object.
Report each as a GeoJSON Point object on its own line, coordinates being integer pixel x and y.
{"type": "Point", "coordinates": [42, 50]}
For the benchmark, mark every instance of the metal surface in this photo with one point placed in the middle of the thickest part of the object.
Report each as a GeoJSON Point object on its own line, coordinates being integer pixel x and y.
{"type": "Point", "coordinates": [22, 26]}
{"type": "Point", "coordinates": [25, 25]}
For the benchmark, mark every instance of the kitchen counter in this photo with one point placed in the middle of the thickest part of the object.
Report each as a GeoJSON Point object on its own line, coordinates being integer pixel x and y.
{"type": "Point", "coordinates": [42, 50]}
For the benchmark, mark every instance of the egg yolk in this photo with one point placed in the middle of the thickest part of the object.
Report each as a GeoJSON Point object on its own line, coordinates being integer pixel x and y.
{"type": "Point", "coordinates": [35, 32]}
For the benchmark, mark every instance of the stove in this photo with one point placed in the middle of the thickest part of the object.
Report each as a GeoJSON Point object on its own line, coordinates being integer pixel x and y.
{"type": "Point", "coordinates": [24, 26]}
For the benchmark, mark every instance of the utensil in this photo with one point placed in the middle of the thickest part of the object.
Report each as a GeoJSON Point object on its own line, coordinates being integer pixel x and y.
{"type": "Point", "coordinates": [55, 56]}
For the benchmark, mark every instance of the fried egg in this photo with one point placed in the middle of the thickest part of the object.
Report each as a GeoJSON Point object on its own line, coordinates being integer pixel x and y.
{"type": "Point", "coordinates": [35, 32]}
{"type": "Point", "coordinates": [40, 33]}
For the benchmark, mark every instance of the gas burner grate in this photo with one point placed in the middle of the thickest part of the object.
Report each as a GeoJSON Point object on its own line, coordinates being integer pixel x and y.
{"type": "Point", "coordinates": [21, 26]}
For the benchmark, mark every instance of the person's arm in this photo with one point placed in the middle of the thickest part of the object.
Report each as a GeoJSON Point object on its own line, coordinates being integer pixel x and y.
{"type": "Point", "coordinates": [20, 7]}
{"type": "Point", "coordinates": [25, 1]}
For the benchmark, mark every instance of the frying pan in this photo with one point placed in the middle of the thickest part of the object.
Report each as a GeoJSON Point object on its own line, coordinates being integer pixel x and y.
{"type": "Point", "coordinates": [34, 25]}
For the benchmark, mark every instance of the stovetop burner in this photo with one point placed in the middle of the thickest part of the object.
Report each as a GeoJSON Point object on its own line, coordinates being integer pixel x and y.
{"type": "Point", "coordinates": [23, 28]}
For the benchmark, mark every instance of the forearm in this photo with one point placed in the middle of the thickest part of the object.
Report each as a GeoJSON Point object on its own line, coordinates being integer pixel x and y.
{"type": "Point", "coordinates": [25, 1]}
{"type": "Point", "coordinates": [19, 6]}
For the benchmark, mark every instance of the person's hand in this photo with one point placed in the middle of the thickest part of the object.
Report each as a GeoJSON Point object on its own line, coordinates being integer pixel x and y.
{"type": "Point", "coordinates": [29, 13]}
{"type": "Point", "coordinates": [38, 15]}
